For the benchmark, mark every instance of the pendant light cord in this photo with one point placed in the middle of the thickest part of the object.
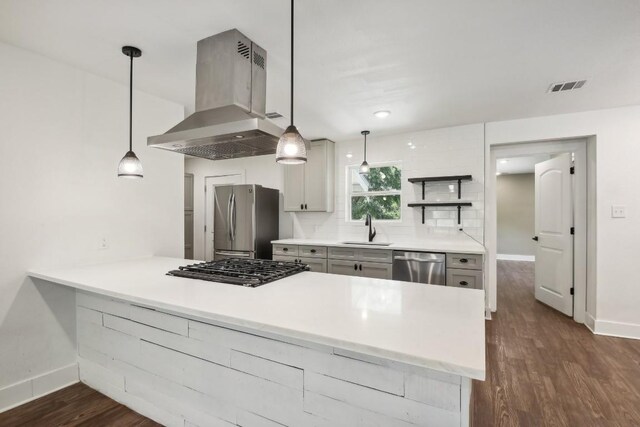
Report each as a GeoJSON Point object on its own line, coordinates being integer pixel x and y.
{"type": "Point", "coordinates": [365, 147]}
{"type": "Point", "coordinates": [291, 62]}
{"type": "Point", "coordinates": [131, 104]}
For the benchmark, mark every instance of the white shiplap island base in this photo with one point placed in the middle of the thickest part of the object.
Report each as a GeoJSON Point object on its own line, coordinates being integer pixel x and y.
{"type": "Point", "coordinates": [312, 349]}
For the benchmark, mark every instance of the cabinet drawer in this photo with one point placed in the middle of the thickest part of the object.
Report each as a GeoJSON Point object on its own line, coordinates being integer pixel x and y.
{"type": "Point", "coordinates": [312, 251]}
{"type": "Point", "coordinates": [459, 278]}
{"type": "Point", "coordinates": [465, 261]}
{"type": "Point", "coordinates": [318, 265]}
{"type": "Point", "coordinates": [375, 255]}
{"type": "Point", "coordinates": [343, 253]}
{"type": "Point", "coordinates": [285, 250]}
{"type": "Point", "coordinates": [337, 266]}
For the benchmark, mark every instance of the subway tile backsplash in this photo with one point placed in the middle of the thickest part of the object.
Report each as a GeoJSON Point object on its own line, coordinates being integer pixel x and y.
{"type": "Point", "coordinates": [451, 151]}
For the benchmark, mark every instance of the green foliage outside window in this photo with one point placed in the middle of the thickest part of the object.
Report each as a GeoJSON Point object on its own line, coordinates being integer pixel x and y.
{"type": "Point", "coordinates": [377, 193]}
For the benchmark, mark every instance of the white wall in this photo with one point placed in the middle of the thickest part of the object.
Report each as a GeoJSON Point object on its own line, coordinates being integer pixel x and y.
{"type": "Point", "coordinates": [515, 194]}
{"type": "Point", "coordinates": [63, 133]}
{"type": "Point", "coordinates": [616, 133]}
{"type": "Point", "coordinates": [448, 151]}
{"type": "Point", "coordinates": [261, 170]}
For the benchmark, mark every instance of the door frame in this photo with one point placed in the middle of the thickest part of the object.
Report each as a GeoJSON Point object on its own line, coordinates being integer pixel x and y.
{"type": "Point", "coordinates": [243, 180]}
{"type": "Point", "coordinates": [579, 147]}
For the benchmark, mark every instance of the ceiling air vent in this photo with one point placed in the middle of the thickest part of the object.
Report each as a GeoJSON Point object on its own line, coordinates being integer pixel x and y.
{"type": "Point", "coordinates": [564, 86]}
{"type": "Point", "coordinates": [274, 115]}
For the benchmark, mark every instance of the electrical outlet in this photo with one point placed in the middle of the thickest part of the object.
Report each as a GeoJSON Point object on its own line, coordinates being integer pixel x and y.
{"type": "Point", "coordinates": [618, 211]}
{"type": "Point", "coordinates": [103, 243]}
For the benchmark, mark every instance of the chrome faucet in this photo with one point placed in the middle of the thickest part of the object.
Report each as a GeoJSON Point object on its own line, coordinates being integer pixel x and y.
{"type": "Point", "coordinates": [368, 222]}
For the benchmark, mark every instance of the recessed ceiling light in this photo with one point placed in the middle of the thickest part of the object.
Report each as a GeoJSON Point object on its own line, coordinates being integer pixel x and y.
{"type": "Point", "coordinates": [382, 114]}
{"type": "Point", "coordinates": [239, 136]}
{"type": "Point", "coordinates": [349, 155]}
{"type": "Point", "coordinates": [498, 173]}
{"type": "Point", "coordinates": [503, 161]}
{"type": "Point", "coordinates": [410, 143]}
{"type": "Point", "coordinates": [413, 147]}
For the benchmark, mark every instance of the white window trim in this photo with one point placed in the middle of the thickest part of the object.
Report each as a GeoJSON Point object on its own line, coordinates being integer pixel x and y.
{"type": "Point", "coordinates": [349, 194]}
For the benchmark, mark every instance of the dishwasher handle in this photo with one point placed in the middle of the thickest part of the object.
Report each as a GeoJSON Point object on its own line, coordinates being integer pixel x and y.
{"type": "Point", "coordinates": [405, 258]}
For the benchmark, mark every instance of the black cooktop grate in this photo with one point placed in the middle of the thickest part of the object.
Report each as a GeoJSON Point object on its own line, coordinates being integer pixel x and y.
{"type": "Point", "coordinates": [238, 271]}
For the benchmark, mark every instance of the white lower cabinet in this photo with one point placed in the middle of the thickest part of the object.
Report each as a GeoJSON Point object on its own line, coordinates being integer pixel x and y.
{"type": "Point", "coordinates": [317, 265]}
{"type": "Point", "coordinates": [373, 270]}
{"type": "Point", "coordinates": [344, 267]}
{"type": "Point", "coordinates": [459, 278]}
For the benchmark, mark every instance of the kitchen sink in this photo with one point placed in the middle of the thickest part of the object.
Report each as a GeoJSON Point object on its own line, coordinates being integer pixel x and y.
{"type": "Point", "coordinates": [367, 243]}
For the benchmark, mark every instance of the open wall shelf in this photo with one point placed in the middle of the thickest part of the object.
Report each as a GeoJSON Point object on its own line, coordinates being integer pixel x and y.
{"type": "Point", "coordinates": [458, 205]}
{"type": "Point", "coordinates": [451, 178]}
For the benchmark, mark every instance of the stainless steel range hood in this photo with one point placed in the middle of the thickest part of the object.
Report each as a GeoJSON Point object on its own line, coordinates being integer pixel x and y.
{"type": "Point", "coordinates": [229, 122]}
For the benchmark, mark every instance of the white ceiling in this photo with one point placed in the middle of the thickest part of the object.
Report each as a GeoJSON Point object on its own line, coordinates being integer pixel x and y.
{"type": "Point", "coordinates": [432, 63]}
{"type": "Point", "coordinates": [514, 165]}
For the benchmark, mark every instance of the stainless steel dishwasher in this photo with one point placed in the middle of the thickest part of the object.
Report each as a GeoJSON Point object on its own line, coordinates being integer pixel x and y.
{"type": "Point", "coordinates": [421, 267]}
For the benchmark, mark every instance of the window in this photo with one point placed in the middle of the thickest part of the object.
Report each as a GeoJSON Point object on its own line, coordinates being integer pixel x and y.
{"type": "Point", "coordinates": [377, 193]}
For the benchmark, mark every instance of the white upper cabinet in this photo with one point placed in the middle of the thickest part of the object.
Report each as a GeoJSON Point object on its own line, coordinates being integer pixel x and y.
{"type": "Point", "coordinates": [310, 187]}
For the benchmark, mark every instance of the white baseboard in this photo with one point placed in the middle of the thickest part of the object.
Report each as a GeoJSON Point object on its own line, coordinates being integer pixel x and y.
{"type": "Point", "coordinates": [590, 322]}
{"type": "Point", "coordinates": [617, 329]}
{"type": "Point", "coordinates": [506, 257]}
{"type": "Point", "coordinates": [33, 388]}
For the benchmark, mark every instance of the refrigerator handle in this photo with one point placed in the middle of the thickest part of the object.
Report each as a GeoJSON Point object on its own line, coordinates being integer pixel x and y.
{"type": "Point", "coordinates": [229, 216]}
{"type": "Point", "coordinates": [233, 216]}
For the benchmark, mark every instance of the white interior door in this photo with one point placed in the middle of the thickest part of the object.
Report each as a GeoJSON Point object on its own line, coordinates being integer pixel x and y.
{"type": "Point", "coordinates": [210, 183]}
{"type": "Point", "coordinates": [553, 222]}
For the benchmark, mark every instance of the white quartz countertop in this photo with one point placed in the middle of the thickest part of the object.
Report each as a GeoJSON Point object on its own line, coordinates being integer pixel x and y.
{"type": "Point", "coordinates": [435, 327]}
{"type": "Point", "coordinates": [452, 244]}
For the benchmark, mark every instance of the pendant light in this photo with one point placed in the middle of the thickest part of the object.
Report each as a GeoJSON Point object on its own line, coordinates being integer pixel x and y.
{"type": "Point", "coordinates": [291, 146]}
{"type": "Point", "coordinates": [130, 166]}
{"type": "Point", "coordinates": [364, 167]}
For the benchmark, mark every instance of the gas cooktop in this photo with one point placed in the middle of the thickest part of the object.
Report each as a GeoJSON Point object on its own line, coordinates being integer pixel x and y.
{"type": "Point", "coordinates": [237, 271]}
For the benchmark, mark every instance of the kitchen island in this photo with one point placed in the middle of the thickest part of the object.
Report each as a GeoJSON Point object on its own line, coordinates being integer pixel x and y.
{"type": "Point", "coordinates": [309, 349]}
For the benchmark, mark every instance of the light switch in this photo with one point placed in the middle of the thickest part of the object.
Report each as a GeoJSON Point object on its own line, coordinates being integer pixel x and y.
{"type": "Point", "coordinates": [618, 211]}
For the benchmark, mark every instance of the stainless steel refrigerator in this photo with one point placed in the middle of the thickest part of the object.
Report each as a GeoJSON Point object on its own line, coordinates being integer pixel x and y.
{"type": "Point", "coordinates": [245, 221]}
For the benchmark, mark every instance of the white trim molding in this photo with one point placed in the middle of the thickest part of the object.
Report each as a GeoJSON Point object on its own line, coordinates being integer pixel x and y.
{"type": "Point", "coordinates": [25, 391]}
{"type": "Point", "coordinates": [617, 329]}
{"type": "Point", "coordinates": [507, 257]}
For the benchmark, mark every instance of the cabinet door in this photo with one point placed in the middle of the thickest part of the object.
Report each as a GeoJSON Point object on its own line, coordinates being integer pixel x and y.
{"type": "Point", "coordinates": [315, 178]}
{"type": "Point", "coordinates": [294, 188]}
{"type": "Point", "coordinates": [315, 264]}
{"type": "Point", "coordinates": [375, 270]}
{"type": "Point", "coordinates": [471, 279]}
{"type": "Point", "coordinates": [347, 268]}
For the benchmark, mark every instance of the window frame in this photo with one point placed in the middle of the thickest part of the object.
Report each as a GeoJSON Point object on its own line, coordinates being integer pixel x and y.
{"type": "Point", "coordinates": [349, 194]}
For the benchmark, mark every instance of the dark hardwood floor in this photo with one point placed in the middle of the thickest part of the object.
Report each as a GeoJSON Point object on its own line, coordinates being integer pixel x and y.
{"type": "Point", "coordinates": [543, 369]}
{"type": "Point", "coordinates": [76, 405]}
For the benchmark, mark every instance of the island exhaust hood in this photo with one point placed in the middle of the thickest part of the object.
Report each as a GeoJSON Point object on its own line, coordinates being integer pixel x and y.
{"type": "Point", "coordinates": [231, 86]}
